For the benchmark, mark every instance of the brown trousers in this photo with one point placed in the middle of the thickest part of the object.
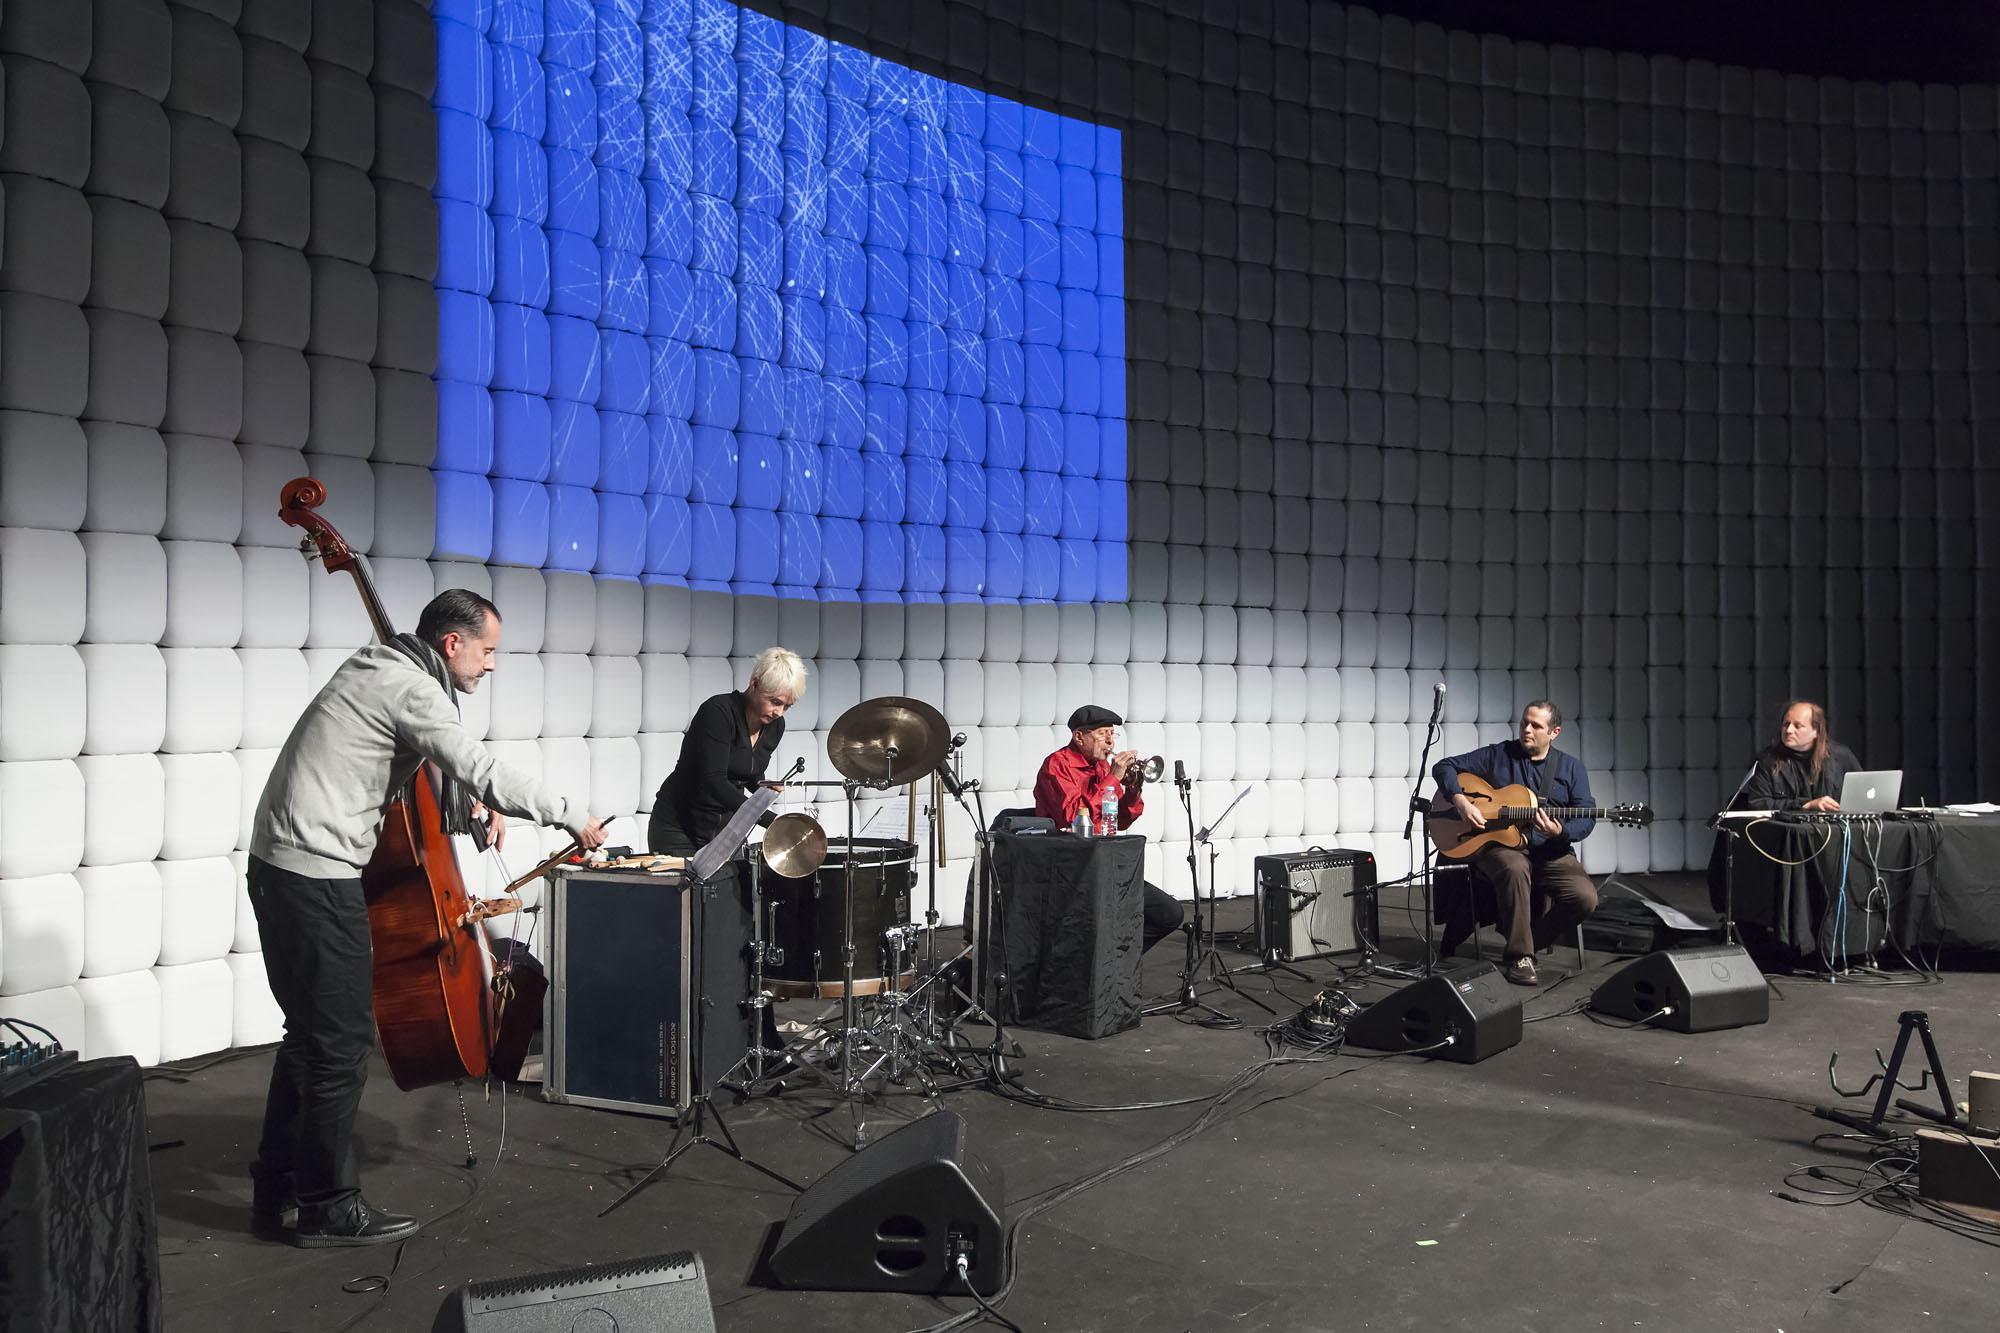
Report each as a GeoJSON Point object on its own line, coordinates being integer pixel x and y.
{"type": "Point", "coordinates": [1536, 900]}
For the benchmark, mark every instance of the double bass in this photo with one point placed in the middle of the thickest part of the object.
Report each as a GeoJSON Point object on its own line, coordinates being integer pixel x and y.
{"type": "Point", "coordinates": [435, 1002]}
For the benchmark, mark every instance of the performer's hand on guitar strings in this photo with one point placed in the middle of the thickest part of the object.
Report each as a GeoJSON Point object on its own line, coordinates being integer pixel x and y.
{"type": "Point", "coordinates": [1468, 811]}
{"type": "Point", "coordinates": [1547, 825]}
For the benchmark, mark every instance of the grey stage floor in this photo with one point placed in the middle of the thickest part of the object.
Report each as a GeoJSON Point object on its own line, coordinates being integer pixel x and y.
{"type": "Point", "coordinates": [1588, 1178]}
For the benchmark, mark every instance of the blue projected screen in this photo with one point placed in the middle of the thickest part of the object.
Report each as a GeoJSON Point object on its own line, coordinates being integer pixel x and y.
{"type": "Point", "coordinates": [724, 303]}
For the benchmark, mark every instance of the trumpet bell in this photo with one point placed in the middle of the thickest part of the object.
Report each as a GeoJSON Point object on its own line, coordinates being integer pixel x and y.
{"type": "Point", "coordinates": [1153, 769]}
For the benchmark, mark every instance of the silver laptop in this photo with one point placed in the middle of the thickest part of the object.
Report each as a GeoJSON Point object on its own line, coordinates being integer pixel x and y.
{"type": "Point", "coordinates": [1871, 793]}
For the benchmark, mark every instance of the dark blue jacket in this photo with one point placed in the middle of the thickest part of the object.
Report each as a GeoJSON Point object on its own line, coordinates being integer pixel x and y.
{"type": "Point", "coordinates": [1559, 779]}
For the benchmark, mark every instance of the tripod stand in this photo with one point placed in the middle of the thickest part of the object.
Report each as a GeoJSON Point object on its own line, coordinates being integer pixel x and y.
{"type": "Point", "coordinates": [701, 1107]}
{"type": "Point", "coordinates": [1201, 949]}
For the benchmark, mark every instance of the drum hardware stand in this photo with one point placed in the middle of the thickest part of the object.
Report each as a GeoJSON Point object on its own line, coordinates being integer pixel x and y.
{"type": "Point", "coordinates": [1911, 1020]}
{"type": "Point", "coordinates": [1201, 947]}
{"type": "Point", "coordinates": [701, 1106]}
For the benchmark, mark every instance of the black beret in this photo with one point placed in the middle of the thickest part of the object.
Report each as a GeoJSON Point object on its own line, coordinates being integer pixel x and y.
{"type": "Point", "coordinates": [1090, 717]}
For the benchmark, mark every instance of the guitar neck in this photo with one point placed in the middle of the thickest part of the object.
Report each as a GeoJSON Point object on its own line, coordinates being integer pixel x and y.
{"type": "Point", "coordinates": [1559, 811]}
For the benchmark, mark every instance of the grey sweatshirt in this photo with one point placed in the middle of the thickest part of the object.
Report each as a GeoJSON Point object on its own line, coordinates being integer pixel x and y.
{"type": "Point", "coordinates": [354, 749]}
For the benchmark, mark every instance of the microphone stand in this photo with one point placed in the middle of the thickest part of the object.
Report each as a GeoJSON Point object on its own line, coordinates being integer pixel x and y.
{"type": "Point", "coordinates": [989, 964]}
{"type": "Point", "coordinates": [1420, 852]}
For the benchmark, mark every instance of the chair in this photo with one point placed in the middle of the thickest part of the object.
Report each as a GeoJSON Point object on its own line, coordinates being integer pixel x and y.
{"type": "Point", "coordinates": [1451, 878]}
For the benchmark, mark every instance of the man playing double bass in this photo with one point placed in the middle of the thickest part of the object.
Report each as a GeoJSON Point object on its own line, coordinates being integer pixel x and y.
{"type": "Point", "coordinates": [359, 743]}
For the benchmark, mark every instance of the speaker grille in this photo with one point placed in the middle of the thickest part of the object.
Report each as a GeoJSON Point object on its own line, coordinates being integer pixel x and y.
{"type": "Point", "coordinates": [678, 1267]}
{"type": "Point", "coordinates": [1307, 905]}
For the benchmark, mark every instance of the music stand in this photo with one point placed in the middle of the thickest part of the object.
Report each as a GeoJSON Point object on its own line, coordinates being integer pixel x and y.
{"type": "Point", "coordinates": [1201, 948]}
{"type": "Point", "coordinates": [703, 868]}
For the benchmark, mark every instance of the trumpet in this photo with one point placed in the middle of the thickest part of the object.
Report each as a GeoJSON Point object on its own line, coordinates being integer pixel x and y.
{"type": "Point", "coordinates": [1151, 770]}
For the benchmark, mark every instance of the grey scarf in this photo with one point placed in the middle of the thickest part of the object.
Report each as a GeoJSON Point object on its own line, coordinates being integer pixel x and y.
{"type": "Point", "coordinates": [454, 809]}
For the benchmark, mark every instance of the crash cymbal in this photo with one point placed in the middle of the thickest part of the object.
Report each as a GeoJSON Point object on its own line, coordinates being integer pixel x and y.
{"type": "Point", "coordinates": [860, 741]}
{"type": "Point", "coordinates": [794, 845]}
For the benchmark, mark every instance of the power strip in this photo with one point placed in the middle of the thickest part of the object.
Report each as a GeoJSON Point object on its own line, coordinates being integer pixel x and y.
{"type": "Point", "coordinates": [26, 1063]}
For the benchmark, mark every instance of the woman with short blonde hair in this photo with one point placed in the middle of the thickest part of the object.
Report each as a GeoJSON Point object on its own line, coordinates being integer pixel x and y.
{"type": "Point", "coordinates": [727, 748]}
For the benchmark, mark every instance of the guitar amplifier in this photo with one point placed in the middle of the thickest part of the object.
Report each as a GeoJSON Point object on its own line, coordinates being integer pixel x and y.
{"type": "Point", "coordinates": [649, 988]}
{"type": "Point", "coordinates": [1303, 905]}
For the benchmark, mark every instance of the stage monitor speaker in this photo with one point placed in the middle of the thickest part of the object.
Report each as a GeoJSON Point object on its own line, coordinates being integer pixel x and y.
{"type": "Point", "coordinates": [667, 1293]}
{"type": "Point", "coordinates": [1465, 1003]}
{"type": "Point", "coordinates": [895, 1216]}
{"type": "Point", "coordinates": [1310, 904]}
{"type": "Point", "coordinates": [1710, 987]}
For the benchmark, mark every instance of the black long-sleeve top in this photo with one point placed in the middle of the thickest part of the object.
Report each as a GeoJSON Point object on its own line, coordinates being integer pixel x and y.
{"type": "Point", "coordinates": [718, 767]}
{"type": "Point", "coordinates": [1784, 781]}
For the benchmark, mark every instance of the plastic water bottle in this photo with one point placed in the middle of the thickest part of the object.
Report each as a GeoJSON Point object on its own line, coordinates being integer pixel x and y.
{"type": "Point", "coordinates": [1110, 810]}
{"type": "Point", "coordinates": [1081, 824]}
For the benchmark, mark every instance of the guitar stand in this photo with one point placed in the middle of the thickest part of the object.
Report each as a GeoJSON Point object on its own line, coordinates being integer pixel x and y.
{"type": "Point", "coordinates": [1911, 1020]}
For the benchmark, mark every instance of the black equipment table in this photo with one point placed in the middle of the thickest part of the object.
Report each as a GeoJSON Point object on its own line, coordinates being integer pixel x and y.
{"type": "Point", "coordinates": [79, 1242]}
{"type": "Point", "coordinates": [1925, 883]}
{"type": "Point", "coordinates": [1072, 913]}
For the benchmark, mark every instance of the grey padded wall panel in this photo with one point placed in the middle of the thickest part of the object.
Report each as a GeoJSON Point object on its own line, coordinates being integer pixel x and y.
{"type": "Point", "coordinates": [1516, 367]}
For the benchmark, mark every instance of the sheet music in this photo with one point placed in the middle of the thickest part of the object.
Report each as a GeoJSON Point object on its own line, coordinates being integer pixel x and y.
{"type": "Point", "coordinates": [710, 858]}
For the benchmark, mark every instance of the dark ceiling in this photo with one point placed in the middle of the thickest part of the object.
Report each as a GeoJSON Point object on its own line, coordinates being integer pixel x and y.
{"type": "Point", "coordinates": [1944, 41]}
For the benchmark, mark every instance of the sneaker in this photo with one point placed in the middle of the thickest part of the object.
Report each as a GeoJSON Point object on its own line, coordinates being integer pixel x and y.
{"type": "Point", "coordinates": [353, 1221]}
{"type": "Point", "coordinates": [1521, 972]}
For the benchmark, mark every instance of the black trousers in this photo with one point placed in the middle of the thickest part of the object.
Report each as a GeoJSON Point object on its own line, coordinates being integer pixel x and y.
{"type": "Point", "coordinates": [320, 964]}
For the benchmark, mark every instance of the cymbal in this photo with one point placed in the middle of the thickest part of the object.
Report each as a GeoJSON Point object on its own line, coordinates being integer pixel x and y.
{"type": "Point", "coordinates": [859, 743]}
{"type": "Point", "coordinates": [794, 845]}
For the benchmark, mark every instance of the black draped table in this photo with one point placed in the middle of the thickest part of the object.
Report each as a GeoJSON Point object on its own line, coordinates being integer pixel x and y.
{"type": "Point", "coordinates": [79, 1244]}
{"type": "Point", "coordinates": [1072, 911]}
{"type": "Point", "coordinates": [1846, 888]}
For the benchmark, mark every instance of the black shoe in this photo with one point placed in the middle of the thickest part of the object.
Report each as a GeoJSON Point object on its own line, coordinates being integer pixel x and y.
{"type": "Point", "coordinates": [351, 1222]}
{"type": "Point", "coordinates": [1452, 942]}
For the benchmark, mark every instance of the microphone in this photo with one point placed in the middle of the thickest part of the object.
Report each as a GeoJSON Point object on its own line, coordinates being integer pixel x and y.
{"type": "Point", "coordinates": [1437, 702]}
{"type": "Point", "coordinates": [1180, 774]}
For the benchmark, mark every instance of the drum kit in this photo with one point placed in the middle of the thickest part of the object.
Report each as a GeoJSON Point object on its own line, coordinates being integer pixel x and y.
{"type": "Point", "coordinates": [831, 919]}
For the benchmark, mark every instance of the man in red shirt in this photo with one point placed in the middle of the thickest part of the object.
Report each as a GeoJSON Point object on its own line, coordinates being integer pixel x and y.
{"type": "Point", "coordinates": [1079, 775]}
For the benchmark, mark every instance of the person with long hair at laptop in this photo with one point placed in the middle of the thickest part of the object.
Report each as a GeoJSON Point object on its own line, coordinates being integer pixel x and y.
{"type": "Point", "coordinates": [1803, 768]}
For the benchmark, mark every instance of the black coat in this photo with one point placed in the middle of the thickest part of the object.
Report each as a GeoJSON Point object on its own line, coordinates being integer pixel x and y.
{"type": "Point", "coordinates": [1784, 781]}
{"type": "Point", "coordinates": [717, 770]}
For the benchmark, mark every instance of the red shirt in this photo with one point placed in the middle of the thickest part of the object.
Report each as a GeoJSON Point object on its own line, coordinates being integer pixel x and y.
{"type": "Point", "coordinates": [1069, 780]}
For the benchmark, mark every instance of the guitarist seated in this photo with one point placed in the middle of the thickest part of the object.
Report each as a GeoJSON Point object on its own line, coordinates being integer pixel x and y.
{"type": "Point", "coordinates": [1540, 890]}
